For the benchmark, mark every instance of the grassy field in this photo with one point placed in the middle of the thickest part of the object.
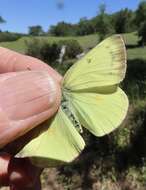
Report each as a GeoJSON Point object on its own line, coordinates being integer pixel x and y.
{"type": "Point", "coordinates": [86, 42]}
{"type": "Point", "coordinates": [133, 51]}
{"type": "Point", "coordinates": [20, 45]}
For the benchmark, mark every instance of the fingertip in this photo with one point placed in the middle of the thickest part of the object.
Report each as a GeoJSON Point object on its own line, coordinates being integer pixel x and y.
{"type": "Point", "coordinates": [11, 61]}
{"type": "Point", "coordinates": [4, 163]}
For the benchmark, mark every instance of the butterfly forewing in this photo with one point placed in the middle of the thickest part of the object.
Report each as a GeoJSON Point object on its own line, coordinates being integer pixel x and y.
{"type": "Point", "coordinates": [104, 65]}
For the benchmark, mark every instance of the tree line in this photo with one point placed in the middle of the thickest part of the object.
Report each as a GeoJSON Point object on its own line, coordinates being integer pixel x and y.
{"type": "Point", "coordinates": [104, 24]}
{"type": "Point", "coordinates": [123, 21]}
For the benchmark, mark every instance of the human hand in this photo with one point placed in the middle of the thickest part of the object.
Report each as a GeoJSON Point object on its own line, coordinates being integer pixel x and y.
{"type": "Point", "coordinates": [27, 99]}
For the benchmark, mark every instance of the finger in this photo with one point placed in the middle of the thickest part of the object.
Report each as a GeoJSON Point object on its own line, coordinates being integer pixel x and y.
{"type": "Point", "coordinates": [11, 61]}
{"type": "Point", "coordinates": [22, 174]}
{"type": "Point", "coordinates": [26, 100]}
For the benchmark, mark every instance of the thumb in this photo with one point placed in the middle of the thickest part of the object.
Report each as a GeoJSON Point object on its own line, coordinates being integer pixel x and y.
{"type": "Point", "coordinates": [26, 100]}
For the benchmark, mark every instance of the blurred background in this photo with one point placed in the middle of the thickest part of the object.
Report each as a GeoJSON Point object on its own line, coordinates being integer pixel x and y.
{"type": "Point", "coordinates": [60, 32]}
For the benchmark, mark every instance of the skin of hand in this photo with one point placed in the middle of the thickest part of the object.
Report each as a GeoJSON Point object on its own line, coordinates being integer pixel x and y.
{"type": "Point", "coordinates": [28, 83]}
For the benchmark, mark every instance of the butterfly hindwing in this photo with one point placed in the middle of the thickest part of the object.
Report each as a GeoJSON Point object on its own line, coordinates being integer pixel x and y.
{"type": "Point", "coordinates": [60, 143]}
{"type": "Point", "coordinates": [100, 113]}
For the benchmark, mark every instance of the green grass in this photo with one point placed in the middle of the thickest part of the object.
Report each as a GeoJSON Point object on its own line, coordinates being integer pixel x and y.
{"type": "Point", "coordinates": [20, 45]}
{"type": "Point", "coordinates": [137, 53]}
{"type": "Point", "coordinates": [133, 51]}
{"type": "Point", "coordinates": [131, 38]}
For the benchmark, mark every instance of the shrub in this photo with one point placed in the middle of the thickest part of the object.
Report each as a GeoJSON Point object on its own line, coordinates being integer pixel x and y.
{"type": "Point", "coordinates": [50, 53]}
{"type": "Point", "coordinates": [73, 48]}
{"type": "Point", "coordinates": [40, 49]}
{"type": "Point", "coordinates": [8, 36]}
{"type": "Point", "coordinates": [135, 81]}
{"type": "Point", "coordinates": [34, 47]}
{"type": "Point", "coordinates": [142, 33]}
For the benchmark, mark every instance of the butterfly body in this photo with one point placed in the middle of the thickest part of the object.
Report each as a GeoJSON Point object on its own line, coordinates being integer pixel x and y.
{"type": "Point", "coordinates": [68, 110]}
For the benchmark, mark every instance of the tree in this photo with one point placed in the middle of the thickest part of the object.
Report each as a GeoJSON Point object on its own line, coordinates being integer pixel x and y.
{"type": "Point", "coordinates": [140, 13]}
{"type": "Point", "coordinates": [36, 30]}
{"type": "Point", "coordinates": [85, 27]}
{"type": "Point", "coordinates": [62, 29]}
{"type": "Point", "coordinates": [103, 23]}
{"type": "Point", "coordinates": [123, 21]}
{"type": "Point", "coordinates": [2, 20]}
{"type": "Point", "coordinates": [142, 33]}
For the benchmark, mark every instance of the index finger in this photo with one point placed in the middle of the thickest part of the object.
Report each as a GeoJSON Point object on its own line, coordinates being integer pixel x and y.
{"type": "Point", "coordinates": [11, 61]}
